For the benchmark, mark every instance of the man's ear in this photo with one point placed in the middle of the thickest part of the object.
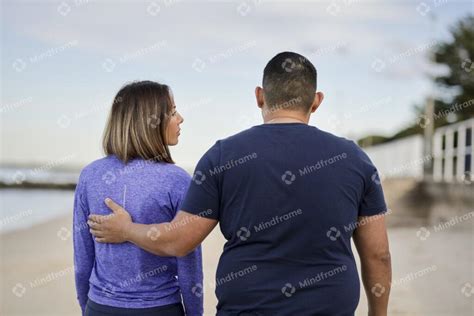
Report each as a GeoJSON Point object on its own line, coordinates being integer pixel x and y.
{"type": "Point", "coordinates": [259, 96]}
{"type": "Point", "coordinates": [318, 99]}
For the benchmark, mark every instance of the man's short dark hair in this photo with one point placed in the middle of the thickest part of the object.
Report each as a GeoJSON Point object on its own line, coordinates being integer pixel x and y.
{"type": "Point", "coordinates": [289, 82]}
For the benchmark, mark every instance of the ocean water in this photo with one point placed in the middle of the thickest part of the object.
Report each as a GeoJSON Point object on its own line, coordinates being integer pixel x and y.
{"type": "Point", "coordinates": [9, 175]}
{"type": "Point", "coordinates": [22, 208]}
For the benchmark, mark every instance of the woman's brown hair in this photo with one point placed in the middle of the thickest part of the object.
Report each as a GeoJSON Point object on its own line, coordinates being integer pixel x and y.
{"type": "Point", "coordinates": [137, 123]}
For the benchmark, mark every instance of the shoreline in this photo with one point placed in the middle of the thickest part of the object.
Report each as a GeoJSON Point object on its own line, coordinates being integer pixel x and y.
{"type": "Point", "coordinates": [30, 185]}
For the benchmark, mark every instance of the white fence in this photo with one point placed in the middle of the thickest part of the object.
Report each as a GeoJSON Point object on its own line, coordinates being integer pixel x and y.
{"type": "Point", "coordinates": [402, 158]}
{"type": "Point", "coordinates": [453, 152]}
{"type": "Point", "coordinates": [452, 155]}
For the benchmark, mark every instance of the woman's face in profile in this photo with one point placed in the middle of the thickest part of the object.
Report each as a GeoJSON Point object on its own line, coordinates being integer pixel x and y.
{"type": "Point", "coordinates": [173, 129]}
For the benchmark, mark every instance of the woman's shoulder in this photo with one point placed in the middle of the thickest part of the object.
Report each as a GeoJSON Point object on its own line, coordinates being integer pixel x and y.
{"type": "Point", "coordinates": [100, 165]}
{"type": "Point", "coordinates": [110, 167]}
{"type": "Point", "coordinates": [178, 173]}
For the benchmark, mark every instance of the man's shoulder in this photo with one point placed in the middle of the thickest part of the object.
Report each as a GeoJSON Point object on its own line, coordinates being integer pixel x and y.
{"type": "Point", "coordinates": [341, 143]}
{"type": "Point", "coordinates": [242, 135]}
{"type": "Point", "coordinates": [230, 141]}
{"type": "Point", "coordinates": [330, 141]}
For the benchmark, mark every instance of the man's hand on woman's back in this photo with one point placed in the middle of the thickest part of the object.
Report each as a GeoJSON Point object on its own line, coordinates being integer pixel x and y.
{"type": "Point", "coordinates": [112, 228]}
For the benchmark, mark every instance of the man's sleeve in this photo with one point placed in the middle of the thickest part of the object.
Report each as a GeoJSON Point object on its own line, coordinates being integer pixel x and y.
{"type": "Point", "coordinates": [203, 196]}
{"type": "Point", "coordinates": [373, 201]}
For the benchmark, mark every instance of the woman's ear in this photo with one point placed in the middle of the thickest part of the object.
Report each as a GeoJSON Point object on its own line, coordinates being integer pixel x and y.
{"type": "Point", "coordinates": [259, 96]}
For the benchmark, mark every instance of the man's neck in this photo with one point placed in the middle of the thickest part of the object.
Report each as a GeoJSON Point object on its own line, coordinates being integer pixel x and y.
{"type": "Point", "coordinates": [286, 118]}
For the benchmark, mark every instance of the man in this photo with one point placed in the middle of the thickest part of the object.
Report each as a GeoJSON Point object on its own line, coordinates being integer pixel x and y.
{"type": "Point", "coordinates": [288, 198]}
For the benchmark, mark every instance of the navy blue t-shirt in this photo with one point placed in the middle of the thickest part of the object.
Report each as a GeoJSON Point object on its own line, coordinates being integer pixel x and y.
{"type": "Point", "coordinates": [287, 198]}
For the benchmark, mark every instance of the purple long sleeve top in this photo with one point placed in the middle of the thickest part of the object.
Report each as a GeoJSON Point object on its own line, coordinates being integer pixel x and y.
{"type": "Point", "coordinates": [124, 275]}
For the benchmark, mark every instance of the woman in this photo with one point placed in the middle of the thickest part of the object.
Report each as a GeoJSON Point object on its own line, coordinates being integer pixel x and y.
{"type": "Point", "coordinates": [122, 279]}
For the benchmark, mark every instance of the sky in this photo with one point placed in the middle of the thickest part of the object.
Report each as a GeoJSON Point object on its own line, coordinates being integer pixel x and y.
{"type": "Point", "coordinates": [64, 61]}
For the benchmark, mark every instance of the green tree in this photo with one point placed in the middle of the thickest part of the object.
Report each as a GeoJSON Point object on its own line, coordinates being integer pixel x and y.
{"type": "Point", "coordinates": [456, 56]}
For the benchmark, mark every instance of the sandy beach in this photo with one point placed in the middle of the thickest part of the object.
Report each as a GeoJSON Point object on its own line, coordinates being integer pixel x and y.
{"type": "Point", "coordinates": [37, 270]}
{"type": "Point", "coordinates": [428, 275]}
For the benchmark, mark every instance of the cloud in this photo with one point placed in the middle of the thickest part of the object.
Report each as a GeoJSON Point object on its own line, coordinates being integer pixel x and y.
{"type": "Point", "coordinates": [117, 28]}
{"type": "Point", "coordinates": [342, 43]}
